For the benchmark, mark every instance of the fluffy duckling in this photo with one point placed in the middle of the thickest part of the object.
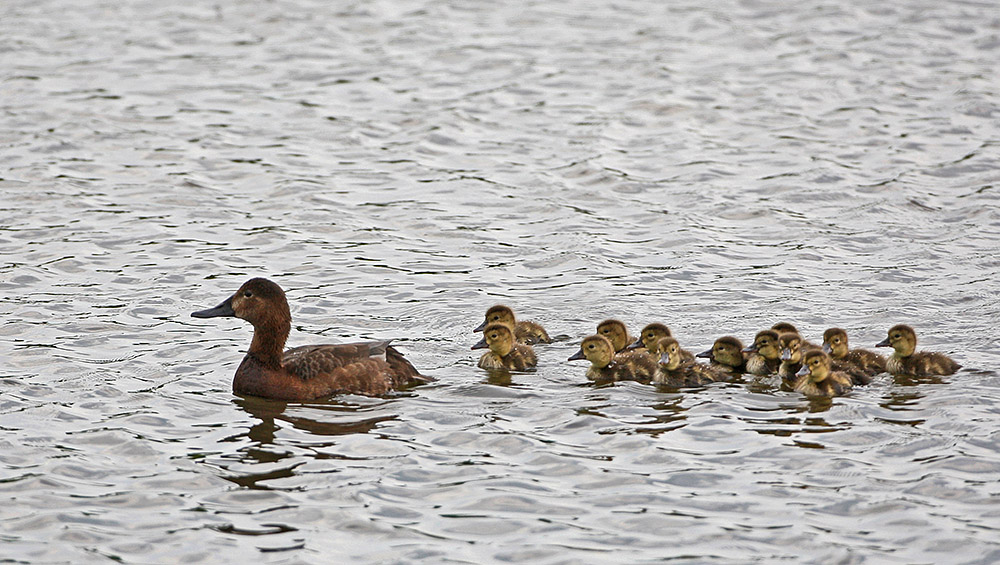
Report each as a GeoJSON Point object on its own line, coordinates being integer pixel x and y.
{"type": "Point", "coordinates": [861, 364]}
{"type": "Point", "coordinates": [816, 378]}
{"type": "Point", "coordinates": [906, 362]}
{"type": "Point", "coordinates": [616, 332]}
{"type": "Point", "coordinates": [653, 333]}
{"type": "Point", "coordinates": [676, 372]}
{"type": "Point", "coordinates": [726, 355]}
{"type": "Point", "coordinates": [525, 331]}
{"type": "Point", "coordinates": [791, 345]}
{"type": "Point", "coordinates": [782, 327]}
{"type": "Point", "coordinates": [606, 365]}
{"type": "Point", "coordinates": [311, 371]}
{"type": "Point", "coordinates": [765, 355]}
{"type": "Point", "coordinates": [504, 352]}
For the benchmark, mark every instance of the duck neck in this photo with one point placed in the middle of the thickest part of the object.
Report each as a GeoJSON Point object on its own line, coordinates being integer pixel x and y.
{"type": "Point", "coordinates": [268, 342]}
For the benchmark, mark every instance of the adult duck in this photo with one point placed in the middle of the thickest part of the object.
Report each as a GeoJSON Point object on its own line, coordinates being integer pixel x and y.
{"type": "Point", "coordinates": [313, 371]}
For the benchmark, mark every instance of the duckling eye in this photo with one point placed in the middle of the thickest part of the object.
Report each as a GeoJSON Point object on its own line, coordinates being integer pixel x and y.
{"type": "Point", "coordinates": [247, 293]}
{"type": "Point", "coordinates": [591, 346]}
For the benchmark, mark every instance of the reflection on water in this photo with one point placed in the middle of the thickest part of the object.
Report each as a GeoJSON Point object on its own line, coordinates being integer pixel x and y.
{"type": "Point", "coordinates": [398, 168]}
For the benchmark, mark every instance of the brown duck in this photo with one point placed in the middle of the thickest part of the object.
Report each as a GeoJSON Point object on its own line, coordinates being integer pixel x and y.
{"type": "Point", "coordinates": [616, 332]}
{"type": "Point", "coordinates": [907, 362]}
{"type": "Point", "coordinates": [504, 352]}
{"type": "Point", "coordinates": [312, 371]}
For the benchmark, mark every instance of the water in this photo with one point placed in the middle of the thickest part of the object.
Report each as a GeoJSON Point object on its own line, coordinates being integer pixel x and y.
{"type": "Point", "coordinates": [398, 167]}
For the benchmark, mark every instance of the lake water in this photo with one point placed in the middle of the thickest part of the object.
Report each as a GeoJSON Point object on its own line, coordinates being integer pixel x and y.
{"type": "Point", "coordinates": [400, 166]}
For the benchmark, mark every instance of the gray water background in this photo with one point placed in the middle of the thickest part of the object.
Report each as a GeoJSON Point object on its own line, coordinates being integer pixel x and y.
{"type": "Point", "coordinates": [398, 167]}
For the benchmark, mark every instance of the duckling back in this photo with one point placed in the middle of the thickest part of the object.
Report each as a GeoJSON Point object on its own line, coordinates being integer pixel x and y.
{"type": "Point", "coordinates": [688, 373]}
{"type": "Point", "coordinates": [922, 364]}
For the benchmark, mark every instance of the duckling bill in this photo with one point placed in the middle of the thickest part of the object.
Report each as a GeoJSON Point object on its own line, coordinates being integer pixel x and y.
{"type": "Point", "coordinates": [313, 371]}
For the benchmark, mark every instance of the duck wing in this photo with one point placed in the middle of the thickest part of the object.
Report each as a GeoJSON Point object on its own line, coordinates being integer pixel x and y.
{"type": "Point", "coordinates": [372, 367]}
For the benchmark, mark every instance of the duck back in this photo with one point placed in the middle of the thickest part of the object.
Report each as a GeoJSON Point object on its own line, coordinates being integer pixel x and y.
{"type": "Point", "coordinates": [688, 374]}
{"type": "Point", "coordinates": [836, 384]}
{"type": "Point", "coordinates": [530, 333]}
{"type": "Point", "coordinates": [759, 365]}
{"type": "Point", "coordinates": [922, 364]}
{"type": "Point", "coordinates": [521, 357]}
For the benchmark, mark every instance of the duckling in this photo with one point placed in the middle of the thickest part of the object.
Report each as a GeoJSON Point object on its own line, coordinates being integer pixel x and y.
{"type": "Point", "coordinates": [606, 365]}
{"type": "Point", "coordinates": [525, 331]}
{"type": "Point", "coordinates": [726, 355]}
{"type": "Point", "coordinates": [791, 355]}
{"type": "Point", "coordinates": [676, 372]}
{"type": "Point", "coordinates": [653, 333]}
{"type": "Point", "coordinates": [615, 331]}
{"type": "Point", "coordinates": [861, 364]}
{"type": "Point", "coordinates": [312, 371]}
{"type": "Point", "coordinates": [906, 363]}
{"type": "Point", "coordinates": [782, 327]}
{"type": "Point", "coordinates": [765, 356]}
{"type": "Point", "coordinates": [504, 352]}
{"type": "Point", "coordinates": [816, 378]}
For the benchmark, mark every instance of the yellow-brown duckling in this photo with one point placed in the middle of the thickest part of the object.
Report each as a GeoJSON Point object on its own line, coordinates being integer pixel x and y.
{"type": "Point", "coordinates": [606, 365]}
{"type": "Point", "coordinates": [791, 345]}
{"type": "Point", "coordinates": [726, 355]}
{"type": "Point", "coordinates": [816, 378]}
{"type": "Point", "coordinates": [525, 331]}
{"type": "Point", "coordinates": [616, 332]}
{"type": "Point", "coordinates": [675, 371]}
{"type": "Point", "coordinates": [764, 354]}
{"type": "Point", "coordinates": [504, 352]}
{"type": "Point", "coordinates": [783, 327]}
{"type": "Point", "coordinates": [861, 364]}
{"type": "Point", "coordinates": [653, 333]}
{"type": "Point", "coordinates": [907, 362]}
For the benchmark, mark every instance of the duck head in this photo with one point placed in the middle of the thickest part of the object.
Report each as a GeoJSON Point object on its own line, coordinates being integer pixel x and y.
{"type": "Point", "coordinates": [902, 338]}
{"type": "Point", "coordinates": [498, 314]}
{"type": "Point", "coordinates": [615, 332]}
{"type": "Point", "coordinates": [765, 344]}
{"type": "Point", "coordinates": [263, 304]}
{"type": "Point", "coordinates": [669, 353]}
{"type": "Point", "coordinates": [597, 349]}
{"type": "Point", "coordinates": [835, 343]}
{"type": "Point", "coordinates": [790, 344]}
{"type": "Point", "coordinates": [726, 350]}
{"type": "Point", "coordinates": [815, 364]}
{"type": "Point", "coordinates": [782, 327]}
{"type": "Point", "coordinates": [498, 338]}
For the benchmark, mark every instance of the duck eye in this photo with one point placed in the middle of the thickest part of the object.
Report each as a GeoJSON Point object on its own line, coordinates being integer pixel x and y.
{"type": "Point", "coordinates": [247, 293]}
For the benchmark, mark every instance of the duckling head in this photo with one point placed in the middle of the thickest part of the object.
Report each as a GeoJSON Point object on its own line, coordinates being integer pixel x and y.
{"type": "Point", "coordinates": [790, 343]}
{"type": "Point", "coordinates": [902, 338]}
{"type": "Point", "coordinates": [498, 314]}
{"type": "Point", "coordinates": [651, 334]}
{"type": "Point", "coordinates": [669, 353]}
{"type": "Point", "coordinates": [782, 327]}
{"type": "Point", "coordinates": [597, 349]}
{"type": "Point", "coordinates": [765, 343]}
{"type": "Point", "coordinates": [835, 343]}
{"type": "Point", "coordinates": [816, 364]}
{"type": "Point", "coordinates": [726, 350]}
{"type": "Point", "coordinates": [614, 331]}
{"type": "Point", "coordinates": [498, 338]}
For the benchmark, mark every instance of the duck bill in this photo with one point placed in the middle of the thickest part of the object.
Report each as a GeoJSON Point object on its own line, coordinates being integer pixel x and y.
{"type": "Point", "coordinates": [883, 343]}
{"type": "Point", "coordinates": [705, 355]}
{"type": "Point", "coordinates": [634, 345]}
{"type": "Point", "coordinates": [827, 349]}
{"type": "Point", "coordinates": [802, 372]}
{"type": "Point", "coordinates": [481, 327]}
{"type": "Point", "coordinates": [481, 344]}
{"type": "Point", "coordinates": [664, 359]}
{"type": "Point", "coordinates": [750, 349]}
{"type": "Point", "coordinates": [577, 356]}
{"type": "Point", "coordinates": [222, 310]}
{"type": "Point", "coordinates": [786, 354]}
